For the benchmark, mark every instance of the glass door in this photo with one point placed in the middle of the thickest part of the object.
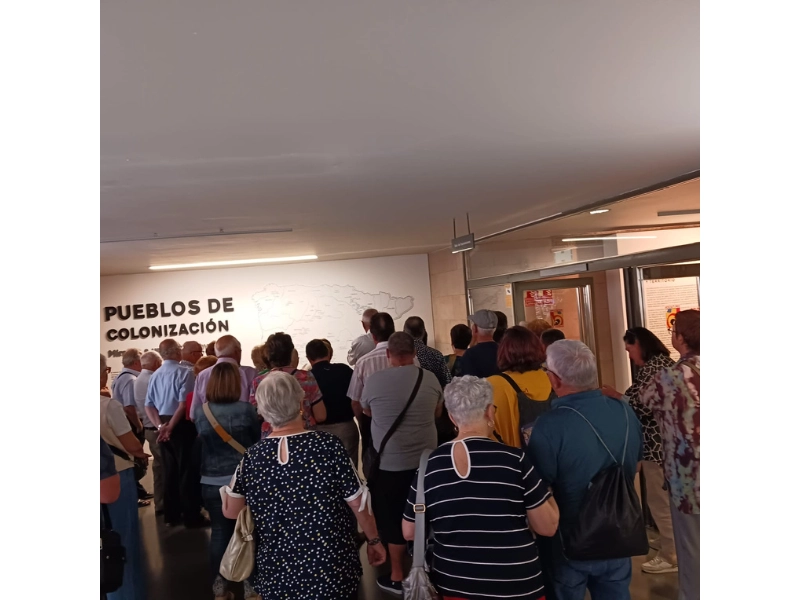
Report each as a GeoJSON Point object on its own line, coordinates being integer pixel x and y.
{"type": "Point", "coordinates": [564, 304]}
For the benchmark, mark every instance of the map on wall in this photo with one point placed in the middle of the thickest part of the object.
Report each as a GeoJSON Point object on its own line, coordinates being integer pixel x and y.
{"type": "Point", "coordinates": [322, 311]}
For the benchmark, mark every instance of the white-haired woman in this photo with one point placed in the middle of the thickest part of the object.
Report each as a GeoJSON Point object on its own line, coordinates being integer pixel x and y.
{"type": "Point", "coordinates": [484, 502]}
{"type": "Point", "coordinates": [300, 486]}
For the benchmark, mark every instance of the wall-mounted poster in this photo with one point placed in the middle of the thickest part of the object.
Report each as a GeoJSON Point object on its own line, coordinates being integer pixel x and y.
{"type": "Point", "coordinates": [663, 299]}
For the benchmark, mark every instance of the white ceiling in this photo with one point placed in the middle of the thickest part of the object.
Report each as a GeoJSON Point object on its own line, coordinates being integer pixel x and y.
{"type": "Point", "coordinates": [367, 126]}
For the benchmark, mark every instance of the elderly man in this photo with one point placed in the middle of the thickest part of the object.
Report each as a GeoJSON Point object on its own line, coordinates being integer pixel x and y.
{"type": "Point", "coordinates": [481, 359]}
{"type": "Point", "coordinates": [363, 344]}
{"type": "Point", "coordinates": [385, 396]}
{"type": "Point", "coordinates": [191, 353]}
{"type": "Point", "coordinates": [429, 358]}
{"type": "Point", "coordinates": [150, 361]}
{"type": "Point", "coordinates": [228, 350]}
{"type": "Point", "coordinates": [165, 405]}
{"type": "Point", "coordinates": [584, 433]}
{"type": "Point", "coordinates": [674, 397]}
{"type": "Point", "coordinates": [122, 387]}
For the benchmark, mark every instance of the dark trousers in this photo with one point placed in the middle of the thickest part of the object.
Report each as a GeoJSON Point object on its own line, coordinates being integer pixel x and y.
{"type": "Point", "coordinates": [141, 470]}
{"type": "Point", "coordinates": [181, 483]}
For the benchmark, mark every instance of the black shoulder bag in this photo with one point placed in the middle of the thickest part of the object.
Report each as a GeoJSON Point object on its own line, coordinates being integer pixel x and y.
{"type": "Point", "coordinates": [610, 522]}
{"type": "Point", "coordinates": [112, 555]}
{"type": "Point", "coordinates": [529, 410]}
{"type": "Point", "coordinates": [372, 461]}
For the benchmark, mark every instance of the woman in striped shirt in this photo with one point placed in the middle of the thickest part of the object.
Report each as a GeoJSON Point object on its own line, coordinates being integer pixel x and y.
{"type": "Point", "coordinates": [484, 502]}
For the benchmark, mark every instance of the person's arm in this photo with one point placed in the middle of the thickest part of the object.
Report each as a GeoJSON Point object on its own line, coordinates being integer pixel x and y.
{"type": "Point", "coordinates": [319, 411]}
{"type": "Point", "coordinates": [543, 520]}
{"type": "Point", "coordinates": [109, 489]}
{"type": "Point", "coordinates": [152, 414]}
{"type": "Point", "coordinates": [232, 506]}
{"type": "Point", "coordinates": [132, 445]}
{"type": "Point", "coordinates": [166, 430]}
{"type": "Point", "coordinates": [133, 418]}
{"type": "Point", "coordinates": [376, 553]}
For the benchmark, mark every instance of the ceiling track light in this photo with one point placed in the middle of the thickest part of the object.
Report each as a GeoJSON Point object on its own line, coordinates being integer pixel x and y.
{"type": "Point", "coordinates": [599, 211]}
{"type": "Point", "coordinates": [230, 263]}
{"type": "Point", "coordinates": [221, 232]}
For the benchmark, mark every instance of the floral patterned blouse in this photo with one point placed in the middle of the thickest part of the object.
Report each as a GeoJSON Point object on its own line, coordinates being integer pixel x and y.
{"type": "Point", "coordinates": [650, 431]}
{"type": "Point", "coordinates": [311, 395]}
{"type": "Point", "coordinates": [674, 397]}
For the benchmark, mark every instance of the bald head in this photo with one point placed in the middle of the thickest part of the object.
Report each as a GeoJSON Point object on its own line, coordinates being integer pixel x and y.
{"type": "Point", "coordinates": [192, 352]}
{"type": "Point", "coordinates": [229, 347]}
{"type": "Point", "coordinates": [170, 349]}
{"type": "Point", "coordinates": [367, 317]}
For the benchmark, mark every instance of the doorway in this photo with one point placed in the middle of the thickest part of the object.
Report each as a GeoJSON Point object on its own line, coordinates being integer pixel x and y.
{"type": "Point", "coordinates": [564, 304]}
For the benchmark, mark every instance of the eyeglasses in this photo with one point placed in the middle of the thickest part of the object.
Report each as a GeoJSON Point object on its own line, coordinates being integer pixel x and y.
{"type": "Point", "coordinates": [546, 370]}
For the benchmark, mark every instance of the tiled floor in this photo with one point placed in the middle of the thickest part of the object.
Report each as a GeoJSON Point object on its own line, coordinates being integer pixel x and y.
{"type": "Point", "coordinates": [176, 562]}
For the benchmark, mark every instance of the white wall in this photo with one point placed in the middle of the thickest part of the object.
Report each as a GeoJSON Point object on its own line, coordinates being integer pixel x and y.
{"type": "Point", "coordinates": [307, 300]}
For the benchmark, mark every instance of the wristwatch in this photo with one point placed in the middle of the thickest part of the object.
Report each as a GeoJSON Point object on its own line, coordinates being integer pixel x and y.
{"type": "Point", "coordinates": [374, 541]}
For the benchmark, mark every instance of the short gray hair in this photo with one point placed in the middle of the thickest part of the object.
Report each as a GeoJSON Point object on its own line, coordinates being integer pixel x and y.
{"type": "Point", "coordinates": [150, 359]}
{"type": "Point", "coordinates": [467, 399]}
{"type": "Point", "coordinates": [226, 346]}
{"type": "Point", "coordinates": [103, 363]}
{"type": "Point", "coordinates": [169, 349]}
{"type": "Point", "coordinates": [278, 397]}
{"type": "Point", "coordinates": [573, 363]}
{"type": "Point", "coordinates": [130, 356]}
{"type": "Point", "coordinates": [482, 331]}
{"type": "Point", "coordinates": [368, 314]}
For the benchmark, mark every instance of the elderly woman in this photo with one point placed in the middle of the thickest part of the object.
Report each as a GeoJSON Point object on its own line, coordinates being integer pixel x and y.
{"type": "Point", "coordinates": [220, 458]}
{"type": "Point", "coordinates": [484, 502]}
{"type": "Point", "coordinates": [650, 355]}
{"type": "Point", "coordinates": [300, 486]}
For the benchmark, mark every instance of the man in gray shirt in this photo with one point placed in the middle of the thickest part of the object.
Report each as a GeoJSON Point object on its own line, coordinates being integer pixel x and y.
{"type": "Point", "coordinates": [385, 395]}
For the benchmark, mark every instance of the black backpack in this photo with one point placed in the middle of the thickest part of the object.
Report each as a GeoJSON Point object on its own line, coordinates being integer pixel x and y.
{"type": "Point", "coordinates": [112, 556]}
{"type": "Point", "coordinates": [529, 410]}
{"type": "Point", "coordinates": [610, 522]}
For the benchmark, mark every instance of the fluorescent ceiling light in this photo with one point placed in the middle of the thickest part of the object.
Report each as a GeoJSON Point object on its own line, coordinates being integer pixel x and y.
{"type": "Point", "coordinates": [599, 211]}
{"type": "Point", "coordinates": [611, 237]}
{"type": "Point", "coordinates": [227, 263]}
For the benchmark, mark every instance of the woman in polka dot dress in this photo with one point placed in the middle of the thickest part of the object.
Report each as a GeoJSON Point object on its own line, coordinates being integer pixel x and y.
{"type": "Point", "coordinates": [301, 488]}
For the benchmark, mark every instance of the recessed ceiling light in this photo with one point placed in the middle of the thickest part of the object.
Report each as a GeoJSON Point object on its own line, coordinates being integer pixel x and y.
{"type": "Point", "coordinates": [611, 237]}
{"type": "Point", "coordinates": [599, 211]}
{"type": "Point", "coordinates": [227, 263]}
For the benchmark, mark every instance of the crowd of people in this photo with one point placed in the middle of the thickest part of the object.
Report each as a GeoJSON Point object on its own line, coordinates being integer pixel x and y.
{"type": "Point", "coordinates": [516, 418]}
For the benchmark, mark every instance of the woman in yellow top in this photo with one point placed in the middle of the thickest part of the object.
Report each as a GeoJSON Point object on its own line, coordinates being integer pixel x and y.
{"type": "Point", "coordinates": [520, 358]}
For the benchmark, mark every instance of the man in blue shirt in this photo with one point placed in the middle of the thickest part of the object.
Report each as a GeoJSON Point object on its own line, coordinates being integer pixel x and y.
{"type": "Point", "coordinates": [165, 406]}
{"type": "Point", "coordinates": [568, 455]}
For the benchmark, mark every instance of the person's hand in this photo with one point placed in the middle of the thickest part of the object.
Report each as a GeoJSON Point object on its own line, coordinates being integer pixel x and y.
{"type": "Point", "coordinates": [143, 456]}
{"type": "Point", "coordinates": [376, 554]}
{"type": "Point", "coordinates": [611, 392]}
{"type": "Point", "coordinates": [163, 433]}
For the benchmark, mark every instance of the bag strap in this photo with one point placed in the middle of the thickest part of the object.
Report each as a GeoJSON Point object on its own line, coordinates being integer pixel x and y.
{"type": "Point", "coordinates": [226, 437]}
{"type": "Point", "coordinates": [399, 418]}
{"type": "Point", "coordinates": [627, 424]}
{"type": "Point", "coordinates": [513, 384]}
{"type": "Point", "coordinates": [690, 365]}
{"type": "Point", "coordinates": [419, 512]}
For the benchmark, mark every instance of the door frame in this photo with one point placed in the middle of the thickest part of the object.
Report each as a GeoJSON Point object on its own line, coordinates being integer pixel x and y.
{"type": "Point", "coordinates": [585, 301]}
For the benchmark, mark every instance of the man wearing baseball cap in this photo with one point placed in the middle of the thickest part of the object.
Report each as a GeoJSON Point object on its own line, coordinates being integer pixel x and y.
{"type": "Point", "coordinates": [481, 359]}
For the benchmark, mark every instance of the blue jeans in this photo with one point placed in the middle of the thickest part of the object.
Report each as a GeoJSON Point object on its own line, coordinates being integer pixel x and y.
{"type": "Point", "coordinates": [605, 579]}
{"type": "Point", "coordinates": [125, 521]}
{"type": "Point", "coordinates": [221, 527]}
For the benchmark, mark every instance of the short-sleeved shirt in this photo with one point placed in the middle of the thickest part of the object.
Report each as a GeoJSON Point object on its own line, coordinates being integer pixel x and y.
{"type": "Point", "coordinates": [367, 365]}
{"type": "Point", "coordinates": [482, 546]}
{"type": "Point", "coordinates": [333, 380]}
{"type": "Point", "coordinates": [168, 387]}
{"type": "Point", "coordinates": [107, 468]}
{"type": "Point", "coordinates": [311, 394]}
{"type": "Point", "coordinates": [386, 394]}
{"type": "Point", "coordinates": [303, 524]}
{"type": "Point", "coordinates": [122, 388]}
{"type": "Point", "coordinates": [480, 360]}
{"type": "Point", "coordinates": [534, 384]}
{"type": "Point", "coordinates": [140, 395]}
{"type": "Point", "coordinates": [674, 397]}
{"type": "Point", "coordinates": [114, 423]}
{"type": "Point", "coordinates": [568, 454]}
